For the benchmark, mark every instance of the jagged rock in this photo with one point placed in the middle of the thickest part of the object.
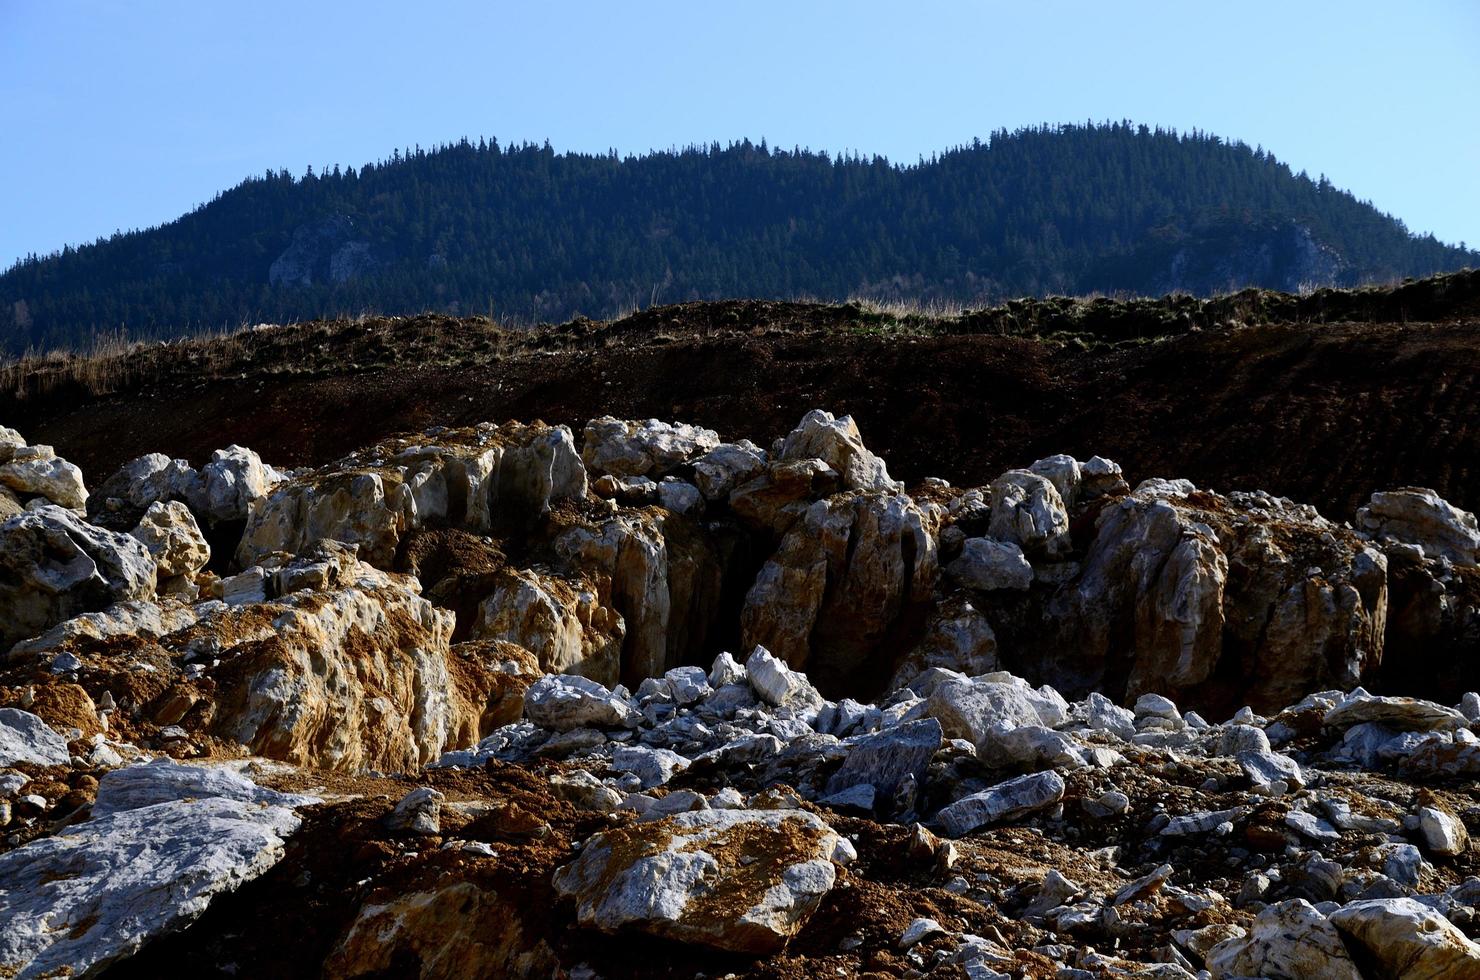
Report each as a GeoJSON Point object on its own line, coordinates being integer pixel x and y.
{"type": "Point", "coordinates": [967, 707]}
{"type": "Point", "coordinates": [1028, 511]}
{"type": "Point", "coordinates": [456, 929]}
{"type": "Point", "coordinates": [24, 737]}
{"type": "Point", "coordinates": [775, 500]}
{"type": "Point", "coordinates": [1268, 769]}
{"type": "Point", "coordinates": [418, 812]}
{"type": "Point", "coordinates": [653, 767]}
{"type": "Point", "coordinates": [666, 582]}
{"type": "Point", "coordinates": [622, 448]}
{"type": "Point", "coordinates": [1405, 938]}
{"type": "Point", "coordinates": [1004, 801]}
{"type": "Point", "coordinates": [1443, 833]}
{"type": "Point", "coordinates": [230, 485]}
{"type": "Point", "coordinates": [585, 791]}
{"type": "Point", "coordinates": [53, 566]}
{"type": "Point", "coordinates": [36, 471]}
{"type": "Point", "coordinates": [1004, 745]}
{"type": "Point", "coordinates": [843, 578]}
{"type": "Point", "coordinates": [1401, 714]}
{"type": "Point", "coordinates": [837, 442]}
{"type": "Point", "coordinates": [885, 759]}
{"type": "Point", "coordinates": [776, 683]}
{"type": "Point", "coordinates": [687, 684]}
{"type": "Point", "coordinates": [726, 671]}
{"type": "Point", "coordinates": [1421, 517]}
{"type": "Point", "coordinates": [986, 565]}
{"type": "Point", "coordinates": [174, 540]}
{"type": "Point", "coordinates": [98, 891]}
{"type": "Point", "coordinates": [1287, 941]}
{"type": "Point", "coordinates": [957, 637]}
{"type": "Point", "coordinates": [919, 930]}
{"type": "Point", "coordinates": [726, 467]}
{"type": "Point", "coordinates": [151, 478]}
{"type": "Point", "coordinates": [737, 880]}
{"type": "Point", "coordinates": [565, 703]}
{"type": "Point", "coordinates": [1155, 602]}
{"type": "Point", "coordinates": [483, 479]}
{"type": "Point", "coordinates": [565, 623]}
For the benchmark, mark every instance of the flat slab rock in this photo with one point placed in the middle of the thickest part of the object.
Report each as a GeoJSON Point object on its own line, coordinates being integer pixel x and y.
{"type": "Point", "coordinates": [149, 865]}
{"type": "Point", "coordinates": [737, 880]}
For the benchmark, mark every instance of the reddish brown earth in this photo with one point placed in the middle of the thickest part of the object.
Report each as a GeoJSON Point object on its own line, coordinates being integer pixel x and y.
{"type": "Point", "coordinates": [1322, 411]}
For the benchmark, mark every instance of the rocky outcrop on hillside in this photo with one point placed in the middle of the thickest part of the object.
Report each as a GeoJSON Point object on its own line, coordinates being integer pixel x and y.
{"type": "Point", "coordinates": [525, 702]}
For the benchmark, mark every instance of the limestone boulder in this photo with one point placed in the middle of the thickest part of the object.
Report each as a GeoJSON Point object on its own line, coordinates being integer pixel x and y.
{"type": "Point", "coordinates": [566, 623]}
{"type": "Point", "coordinates": [666, 581]}
{"type": "Point", "coordinates": [1028, 511]}
{"type": "Point", "coordinates": [842, 583]}
{"type": "Point", "coordinates": [54, 565]}
{"type": "Point", "coordinates": [727, 466]}
{"type": "Point", "coordinates": [565, 703]}
{"type": "Point", "coordinates": [147, 864]}
{"type": "Point", "coordinates": [488, 479]}
{"type": "Point", "coordinates": [229, 486]}
{"type": "Point", "coordinates": [24, 737]}
{"type": "Point", "coordinates": [1421, 517]}
{"type": "Point", "coordinates": [738, 880]}
{"type": "Point", "coordinates": [1287, 941]}
{"type": "Point", "coordinates": [173, 539]}
{"type": "Point", "coordinates": [957, 637]}
{"type": "Point", "coordinates": [986, 565]}
{"type": "Point", "coordinates": [642, 448]}
{"type": "Point", "coordinates": [37, 471]}
{"type": "Point", "coordinates": [1157, 602]}
{"type": "Point", "coordinates": [837, 442]}
{"type": "Point", "coordinates": [151, 478]}
{"type": "Point", "coordinates": [1406, 938]}
{"type": "Point", "coordinates": [1005, 801]}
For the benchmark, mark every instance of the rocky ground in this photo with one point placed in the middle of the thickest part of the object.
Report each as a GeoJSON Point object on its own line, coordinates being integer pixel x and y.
{"type": "Point", "coordinates": [639, 699]}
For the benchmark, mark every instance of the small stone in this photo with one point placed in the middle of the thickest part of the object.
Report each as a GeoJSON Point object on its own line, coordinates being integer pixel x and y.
{"type": "Point", "coordinates": [1004, 801]}
{"type": "Point", "coordinates": [919, 930]}
{"type": "Point", "coordinates": [418, 812]}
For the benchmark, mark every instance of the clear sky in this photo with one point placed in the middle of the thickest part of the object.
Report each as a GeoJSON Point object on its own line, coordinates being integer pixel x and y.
{"type": "Point", "coordinates": [116, 115]}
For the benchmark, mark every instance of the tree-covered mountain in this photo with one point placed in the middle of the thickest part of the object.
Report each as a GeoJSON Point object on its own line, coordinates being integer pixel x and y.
{"type": "Point", "coordinates": [525, 232]}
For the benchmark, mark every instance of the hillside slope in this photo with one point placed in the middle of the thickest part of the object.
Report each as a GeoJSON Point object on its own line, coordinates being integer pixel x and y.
{"type": "Point", "coordinates": [527, 233]}
{"type": "Point", "coordinates": [1323, 399]}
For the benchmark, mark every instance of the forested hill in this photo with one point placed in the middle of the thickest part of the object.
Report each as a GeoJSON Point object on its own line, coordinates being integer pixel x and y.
{"type": "Point", "coordinates": [529, 233]}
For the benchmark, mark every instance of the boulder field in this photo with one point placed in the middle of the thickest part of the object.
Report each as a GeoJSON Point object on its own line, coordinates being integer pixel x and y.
{"type": "Point", "coordinates": [641, 701]}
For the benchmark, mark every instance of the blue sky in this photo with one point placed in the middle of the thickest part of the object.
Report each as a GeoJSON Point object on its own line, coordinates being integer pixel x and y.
{"type": "Point", "coordinates": [118, 115]}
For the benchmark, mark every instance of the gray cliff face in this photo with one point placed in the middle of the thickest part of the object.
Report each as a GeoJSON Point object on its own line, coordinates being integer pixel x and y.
{"type": "Point", "coordinates": [325, 251]}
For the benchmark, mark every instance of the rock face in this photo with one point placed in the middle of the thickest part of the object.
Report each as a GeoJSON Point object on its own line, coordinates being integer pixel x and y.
{"type": "Point", "coordinates": [485, 479]}
{"type": "Point", "coordinates": [737, 880]}
{"type": "Point", "coordinates": [565, 624]}
{"type": "Point", "coordinates": [1158, 601]}
{"type": "Point", "coordinates": [148, 865]}
{"type": "Point", "coordinates": [610, 445]}
{"type": "Point", "coordinates": [844, 579]}
{"type": "Point", "coordinates": [174, 540]}
{"type": "Point", "coordinates": [54, 566]}
{"type": "Point", "coordinates": [1423, 518]}
{"type": "Point", "coordinates": [1028, 511]}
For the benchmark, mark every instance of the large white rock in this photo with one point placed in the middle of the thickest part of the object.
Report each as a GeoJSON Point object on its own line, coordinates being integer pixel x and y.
{"type": "Point", "coordinates": [37, 471]}
{"type": "Point", "coordinates": [54, 565]}
{"type": "Point", "coordinates": [173, 538]}
{"type": "Point", "coordinates": [562, 621]}
{"type": "Point", "coordinates": [726, 467]}
{"type": "Point", "coordinates": [645, 448]}
{"type": "Point", "coordinates": [1287, 941]}
{"type": "Point", "coordinates": [1028, 511]}
{"type": "Point", "coordinates": [564, 703]}
{"type": "Point", "coordinates": [837, 442]}
{"type": "Point", "coordinates": [231, 484]}
{"type": "Point", "coordinates": [1401, 714]}
{"type": "Point", "coordinates": [1444, 834]}
{"type": "Point", "coordinates": [776, 683]}
{"type": "Point", "coordinates": [1414, 515]}
{"type": "Point", "coordinates": [98, 891]}
{"type": "Point", "coordinates": [987, 565]}
{"type": "Point", "coordinates": [1004, 801]}
{"type": "Point", "coordinates": [152, 477]}
{"type": "Point", "coordinates": [737, 880]}
{"type": "Point", "coordinates": [1405, 938]}
{"type": "Point", "coordinates": [967, 707]}
{"type": "Point", "coordinates": [24, 737]}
